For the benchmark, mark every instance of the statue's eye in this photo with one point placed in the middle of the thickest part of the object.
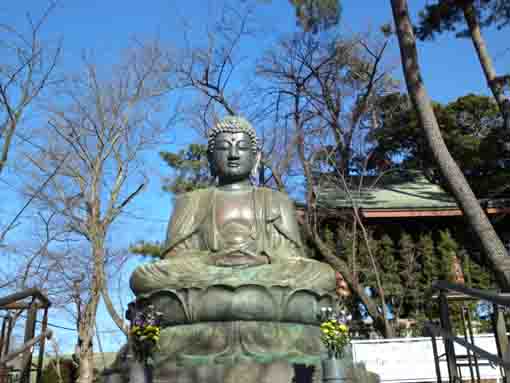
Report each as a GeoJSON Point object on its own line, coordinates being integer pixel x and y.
{"type": "Point", "coordinates": [243, 145]}
{"type": "Point", "coordinates": [222, 145]}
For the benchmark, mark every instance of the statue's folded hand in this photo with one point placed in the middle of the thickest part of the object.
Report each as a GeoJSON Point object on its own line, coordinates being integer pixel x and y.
{"type": "Point", "coordinates": [242, 255]}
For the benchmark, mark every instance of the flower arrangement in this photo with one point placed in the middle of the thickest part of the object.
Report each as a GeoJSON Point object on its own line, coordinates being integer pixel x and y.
{"type": "Point", "coordinates": [334, 334]}
{"type": "Point", "coordinates": [145, 332]}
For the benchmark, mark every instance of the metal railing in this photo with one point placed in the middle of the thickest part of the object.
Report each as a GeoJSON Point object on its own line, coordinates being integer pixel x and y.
{"type": "Point", "coordinates": [446, 292]}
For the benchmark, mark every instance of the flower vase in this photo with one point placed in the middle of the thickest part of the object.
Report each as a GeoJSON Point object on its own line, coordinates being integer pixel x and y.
{"type": "Point", "coordinates": [139, 372]}
{"type": "Point", "coordinates": [334, 370]}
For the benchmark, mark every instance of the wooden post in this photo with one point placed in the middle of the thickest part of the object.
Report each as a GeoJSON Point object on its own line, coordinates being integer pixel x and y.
{"type": "Point", "coordinates": [449, 347]}
{"type": "Point", "coordinates": [4, 374]}
{"type": "Point", "coordinates": [2, 336]}
{"type": "Point", "coordinates": [29, 334]}
{"type": "Point", "coordinates": [7, 344]}
{"type": "Point", "coordinates": [40, 358]}
{"type": "Point", "coordinates": [499, 327]}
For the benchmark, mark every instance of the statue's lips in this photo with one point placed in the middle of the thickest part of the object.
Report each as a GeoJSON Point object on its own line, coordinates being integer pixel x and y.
{"type": "Point", "coordinates": [234, 164]}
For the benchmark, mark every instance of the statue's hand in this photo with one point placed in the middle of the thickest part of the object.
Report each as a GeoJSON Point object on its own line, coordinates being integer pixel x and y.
{"type": "Point", "coordinates": [240, 251]}
{"type": "Point", "coordinates": [239, 256]}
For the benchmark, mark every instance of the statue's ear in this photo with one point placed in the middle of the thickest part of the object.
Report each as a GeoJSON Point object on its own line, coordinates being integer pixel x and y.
{"type": "Point", "coordinates": [255, 169]}
{"type": "Point", "coordinates": [212, 168]}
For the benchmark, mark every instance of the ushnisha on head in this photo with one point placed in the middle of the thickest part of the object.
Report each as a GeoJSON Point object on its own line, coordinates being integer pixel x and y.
{"type": "Point", "coordinates": [233, 124]}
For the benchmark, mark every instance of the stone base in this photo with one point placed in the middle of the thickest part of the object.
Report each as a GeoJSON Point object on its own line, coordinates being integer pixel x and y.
{"type": "Point", "coordinates": [247, 372]}
{"type": "Point", "coordinates": [238, 351]}
{"type": "Point", "coordinates": [238, 342]}
{"type": "Point", "coordinates": [223, 303]}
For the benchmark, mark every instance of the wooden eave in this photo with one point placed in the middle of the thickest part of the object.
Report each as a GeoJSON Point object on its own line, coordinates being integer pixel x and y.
{"type": "Point", "coordinates": [403, 213]}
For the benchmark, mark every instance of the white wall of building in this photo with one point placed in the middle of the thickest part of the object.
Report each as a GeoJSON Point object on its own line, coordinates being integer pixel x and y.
{"type": "Point", "coordinates": [412, 359]}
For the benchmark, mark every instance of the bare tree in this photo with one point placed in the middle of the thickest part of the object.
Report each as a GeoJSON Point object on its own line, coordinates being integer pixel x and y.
{"type": "Point", "coordinates": [475, 216]}
{"type": "Point", "coordinates": [207, 69]}
{"type": "Point", "coordinates": [315, 95]}
{"type": "Point", "coordinates": [322, 92]}
{"type": "Point", "coordinates": [27, 68]}
{"type": "Point", "coordinates": [103, 123]}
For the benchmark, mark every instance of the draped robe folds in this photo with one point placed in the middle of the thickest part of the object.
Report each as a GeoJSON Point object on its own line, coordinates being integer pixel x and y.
{"type": "Point", "coordinates": [193, 239]}
{"type": "Point", "coordinates": [192, 227]}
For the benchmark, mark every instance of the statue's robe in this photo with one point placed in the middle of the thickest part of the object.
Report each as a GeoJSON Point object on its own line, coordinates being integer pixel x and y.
{"type": "Point", "coordinates": [192, 225]}
{"type": "Point", "coordinates": [193, 240]}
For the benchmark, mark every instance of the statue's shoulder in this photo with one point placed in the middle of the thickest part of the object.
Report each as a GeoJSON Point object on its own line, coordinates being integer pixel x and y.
{"type": "Point", "coordinates": [277, 197]}
{"type": "Point", "coordinates": [282, 212]}
{"type": "Point", "coordinates": [199, 193]}
{"type": "Point", "coordinates": [278, 205]}
{"type": "Point", "coordinates": [193, 198]}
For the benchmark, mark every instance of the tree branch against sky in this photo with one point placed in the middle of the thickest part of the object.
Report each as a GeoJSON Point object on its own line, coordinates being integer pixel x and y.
{"type": "Point", "coordinates": [217, 76]}
{"type": "Point", "coordinates": [103, 126]}
{"type": "Point", "coordinates": [308, 87]}
{"type": "Point", "coordinates": [447, 15]}
{"type": "Point", "coordinates": [27, 68]}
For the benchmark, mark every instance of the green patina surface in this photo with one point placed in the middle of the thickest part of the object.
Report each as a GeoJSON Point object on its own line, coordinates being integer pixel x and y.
{"type": "Point", "coordinates": [235, 288]}
{"type": "Point", "coordinates": [401, 190]}
{"type": "Point", "coordinates": [190, 271]}
{"type": "Point", "coordinates": [236, 342]}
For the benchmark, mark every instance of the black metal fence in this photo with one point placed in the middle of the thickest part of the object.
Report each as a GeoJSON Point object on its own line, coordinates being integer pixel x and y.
{"type": "Point", "coordinates": [445, 293]}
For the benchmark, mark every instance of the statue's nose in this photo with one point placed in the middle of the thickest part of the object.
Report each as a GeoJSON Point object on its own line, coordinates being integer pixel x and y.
{"type": "Point", "coordinates": [233, 153]}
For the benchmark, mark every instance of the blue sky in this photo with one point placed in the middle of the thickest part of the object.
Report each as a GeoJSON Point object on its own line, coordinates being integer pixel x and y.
{"type": "Point", "coordinates": [104, 28]}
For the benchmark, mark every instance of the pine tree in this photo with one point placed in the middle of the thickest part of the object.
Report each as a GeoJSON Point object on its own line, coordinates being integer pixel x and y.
{"type": "Point", "coordinates": [476, 275]}
{"type": "Point", "coordinates": [426, 255]}
{"type": "Point", "coordinates": [386, 256]}
{"type": "Point", "coordinates": [191, 169]}
{"type": "Point", "coordinates": [316, 15]}
{"type": "Point", "coordinates": [447, 249]}
{"type": "Point", "coordinates": [147, 249]}
{"type": "Point", "coordinates": [427, 258]}
{"type": "Point", "coordinates": [367, 273]}
{"type": "Point", "coordinates": [409, 271]}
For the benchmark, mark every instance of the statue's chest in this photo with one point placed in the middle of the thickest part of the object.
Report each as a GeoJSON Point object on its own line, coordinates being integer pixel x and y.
{"type": "Point", "coordinates": [235, 207]}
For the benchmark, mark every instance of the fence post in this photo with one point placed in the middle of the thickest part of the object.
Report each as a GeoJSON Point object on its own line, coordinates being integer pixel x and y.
{"type": "Point", "coordinates": [499, 327]}
{"type": "Point", "coordinates": [449, 347]}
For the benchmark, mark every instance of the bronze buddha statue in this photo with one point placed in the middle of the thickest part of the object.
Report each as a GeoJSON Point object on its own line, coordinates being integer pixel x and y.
{"type": "Point", "coordinates": [235, 223]}
{"type": "Point", "coordinates": [235, 281]}
{"type": "Point", "coordinates": [231, 225]}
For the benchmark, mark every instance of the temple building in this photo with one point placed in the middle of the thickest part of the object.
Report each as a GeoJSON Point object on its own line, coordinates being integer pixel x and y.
{"type": "Point", "coordinates": [403, 201]}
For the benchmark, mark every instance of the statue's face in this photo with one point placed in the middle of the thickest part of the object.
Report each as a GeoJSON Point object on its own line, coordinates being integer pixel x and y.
{"type": "Point", "coordinates": [233, 158]}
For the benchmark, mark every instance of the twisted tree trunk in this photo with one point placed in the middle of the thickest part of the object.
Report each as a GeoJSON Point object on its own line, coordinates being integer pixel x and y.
{"type": "Point", "coordinates": [492, 246]}
{"type": "Point", "coordinates": [484, 57]}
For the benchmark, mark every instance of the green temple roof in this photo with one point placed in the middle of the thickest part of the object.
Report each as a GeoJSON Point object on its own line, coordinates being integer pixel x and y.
{"type": "Point", "coordinates": [395, 191]}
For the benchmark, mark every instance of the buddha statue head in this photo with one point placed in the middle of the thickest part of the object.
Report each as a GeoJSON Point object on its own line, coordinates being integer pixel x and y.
{"type": "Point", "coordinates": [233, 150]}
